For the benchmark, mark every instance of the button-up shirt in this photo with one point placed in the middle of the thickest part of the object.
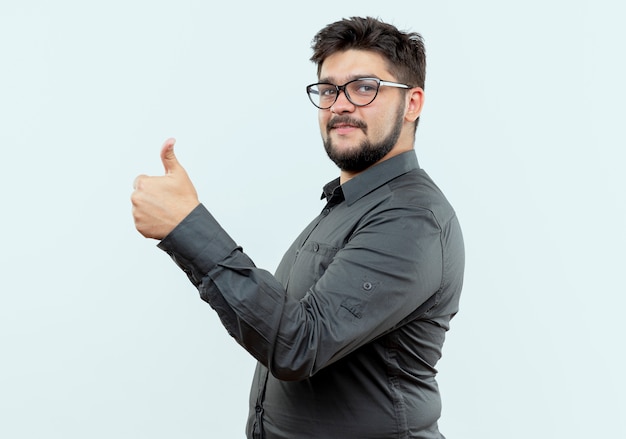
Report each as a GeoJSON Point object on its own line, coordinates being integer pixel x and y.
{"type": "Point", "coordinates": [348, 331]}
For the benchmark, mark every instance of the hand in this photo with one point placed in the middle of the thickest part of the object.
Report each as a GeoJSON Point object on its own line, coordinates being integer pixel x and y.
{"type": "Point", "coordinates": [160, 203]}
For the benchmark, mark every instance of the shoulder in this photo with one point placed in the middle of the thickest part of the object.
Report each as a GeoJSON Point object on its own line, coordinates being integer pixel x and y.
{"type": "Point", "coordinates": [416, 191]}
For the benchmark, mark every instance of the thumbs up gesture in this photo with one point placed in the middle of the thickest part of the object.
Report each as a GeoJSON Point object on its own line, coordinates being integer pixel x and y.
{"type": "Point", "coordinates": [160, 203]}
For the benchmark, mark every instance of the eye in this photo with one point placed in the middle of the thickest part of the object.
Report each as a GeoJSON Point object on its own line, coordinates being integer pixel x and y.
{"type": "Point", "coordinates": [364, 87]}
{"type": "Point", "coordinates": [327, 91]}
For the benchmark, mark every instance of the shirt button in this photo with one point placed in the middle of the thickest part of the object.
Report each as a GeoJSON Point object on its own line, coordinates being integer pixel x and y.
{"type": "Point", "coordinates": [316, 246]}
{"type": "Point", "coordinates": [367, 286]}
{"type": "Point", "coordinates": [325, 211]}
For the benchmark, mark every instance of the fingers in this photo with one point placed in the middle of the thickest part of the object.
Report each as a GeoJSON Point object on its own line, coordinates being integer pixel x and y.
{"type": "Point", "coordinates": [168, 158]}
{"type": "Point", "coordinates": [137, 181]}
{"type": "Point", "coordinates": [162, 202]}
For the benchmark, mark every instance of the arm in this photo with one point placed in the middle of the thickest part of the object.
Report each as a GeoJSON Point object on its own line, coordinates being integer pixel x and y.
{"type": "Point", "coordinates": [391, 265]}
{"type": "Point", "coordinates": [382, 275]}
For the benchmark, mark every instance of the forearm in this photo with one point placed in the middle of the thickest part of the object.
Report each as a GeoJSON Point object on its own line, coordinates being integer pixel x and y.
{"type": "Point", "coordinates": [248, 300]}
{"type": "Point", "coordinates": [295, 335]}
{"type": "Point", "coordinates": [197, 244]}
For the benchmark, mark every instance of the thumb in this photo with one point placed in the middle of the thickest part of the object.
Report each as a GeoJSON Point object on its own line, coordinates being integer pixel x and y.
{"type": "Point", "coordinates": [168, 158]}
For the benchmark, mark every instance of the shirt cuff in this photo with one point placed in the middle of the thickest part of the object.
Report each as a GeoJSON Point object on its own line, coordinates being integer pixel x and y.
{"type": "Point", "coordinates": [197, 244]}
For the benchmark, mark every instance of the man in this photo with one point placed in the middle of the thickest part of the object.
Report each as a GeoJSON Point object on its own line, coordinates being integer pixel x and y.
{"type": "Point", "coordinates": [349, 330]}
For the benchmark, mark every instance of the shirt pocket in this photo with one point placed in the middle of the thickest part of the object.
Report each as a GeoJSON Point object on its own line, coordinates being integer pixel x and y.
{"type": "Point", "coordinates": [311, 261]}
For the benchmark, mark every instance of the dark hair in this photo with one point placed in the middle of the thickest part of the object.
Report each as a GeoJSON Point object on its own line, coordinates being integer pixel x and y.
{"type": "Point", "coordinates": [404, 51]}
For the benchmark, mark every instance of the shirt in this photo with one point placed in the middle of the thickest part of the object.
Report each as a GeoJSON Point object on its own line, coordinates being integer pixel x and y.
{"type": "Point", "coordinates": [348, 331]}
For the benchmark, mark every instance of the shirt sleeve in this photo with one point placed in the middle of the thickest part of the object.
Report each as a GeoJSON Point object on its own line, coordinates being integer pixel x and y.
{"type": "Point", "coordinates": [248, 300]}
{"type": "Point", "coordinates": [390, 266]}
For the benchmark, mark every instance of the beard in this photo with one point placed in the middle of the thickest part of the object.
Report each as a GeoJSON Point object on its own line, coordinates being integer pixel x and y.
{"type": "Point", "coordinates": [367, 153]}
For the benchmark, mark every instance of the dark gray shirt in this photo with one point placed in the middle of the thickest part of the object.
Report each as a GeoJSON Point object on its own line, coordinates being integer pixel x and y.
{"type": "Point", "coordinates": [348, 331]}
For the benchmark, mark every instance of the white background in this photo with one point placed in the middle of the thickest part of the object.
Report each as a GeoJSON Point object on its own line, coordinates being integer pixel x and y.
{"type": "Point", "coordinates": [102, 336]}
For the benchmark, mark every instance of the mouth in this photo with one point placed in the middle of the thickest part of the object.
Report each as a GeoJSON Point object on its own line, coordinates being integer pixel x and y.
{"type": "Point", "coordinates": [345, 126]}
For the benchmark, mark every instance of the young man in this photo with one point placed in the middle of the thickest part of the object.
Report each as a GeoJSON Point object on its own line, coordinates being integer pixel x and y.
{"type": "Point", "coordinates": [348, 331]}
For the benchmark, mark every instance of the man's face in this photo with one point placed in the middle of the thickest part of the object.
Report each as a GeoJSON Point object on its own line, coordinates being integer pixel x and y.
{"type": "Point", "coordinates": [358, 137]}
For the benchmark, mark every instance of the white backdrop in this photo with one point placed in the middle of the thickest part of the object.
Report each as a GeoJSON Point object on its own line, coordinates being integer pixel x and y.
{"type": "Point", "coordinates": [102, 336]}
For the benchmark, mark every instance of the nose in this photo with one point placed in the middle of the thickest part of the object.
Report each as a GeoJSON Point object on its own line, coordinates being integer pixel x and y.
{"type": "Point", "coordinates": [342, 104]}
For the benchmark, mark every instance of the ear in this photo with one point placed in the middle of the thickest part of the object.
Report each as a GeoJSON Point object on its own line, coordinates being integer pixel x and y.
{"type": "Point", "coordinates": [415, 104]}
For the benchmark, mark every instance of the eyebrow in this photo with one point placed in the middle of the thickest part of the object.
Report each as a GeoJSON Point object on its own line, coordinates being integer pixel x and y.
{"type": "Point", "coordinates": [330, 80]}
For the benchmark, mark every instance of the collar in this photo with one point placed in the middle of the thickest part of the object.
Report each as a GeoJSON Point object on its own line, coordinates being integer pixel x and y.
{"type": "Point", "coordinates": [372, 178]}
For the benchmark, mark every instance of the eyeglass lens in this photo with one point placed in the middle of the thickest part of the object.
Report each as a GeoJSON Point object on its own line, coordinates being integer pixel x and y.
{"type": "Point", "coordinates": [360, 92]}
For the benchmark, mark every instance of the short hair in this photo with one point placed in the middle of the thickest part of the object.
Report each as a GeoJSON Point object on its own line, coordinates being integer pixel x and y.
{"type": "Point", "coordinates": [404, 51]}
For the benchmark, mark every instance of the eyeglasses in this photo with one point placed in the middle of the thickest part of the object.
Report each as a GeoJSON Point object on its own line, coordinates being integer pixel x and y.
{"type": "Point", "coordinates": [360, 92]}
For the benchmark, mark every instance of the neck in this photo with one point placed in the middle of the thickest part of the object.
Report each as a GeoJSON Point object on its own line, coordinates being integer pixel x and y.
{"type": "Point", "coordinates": [345, 176]}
